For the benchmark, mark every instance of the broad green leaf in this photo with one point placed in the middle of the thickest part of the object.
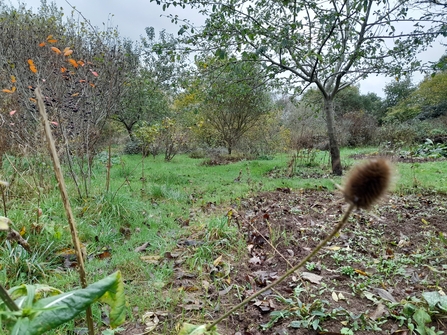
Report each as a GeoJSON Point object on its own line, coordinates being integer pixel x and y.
{"type": "Point", "coordinates": [21, 327]}
{"type": "Point", "coordinates": [421, 317]}
{"type": "Point", "coordinates": [56, 310]}
{"type": "Point", "coordinates": [116, 299]}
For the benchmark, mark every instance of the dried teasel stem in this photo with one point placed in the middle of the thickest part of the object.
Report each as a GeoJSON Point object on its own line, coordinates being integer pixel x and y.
{"type": "Point", "coordinates": [290, 271]}
{"type": "Point", "coordinates": [65, 200]}
{"type": "Point", "coordinates": [365, 185]}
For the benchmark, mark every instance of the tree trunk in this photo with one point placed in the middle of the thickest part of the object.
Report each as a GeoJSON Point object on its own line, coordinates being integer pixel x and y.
{"type": "Point", "coordinates": [333, 145]}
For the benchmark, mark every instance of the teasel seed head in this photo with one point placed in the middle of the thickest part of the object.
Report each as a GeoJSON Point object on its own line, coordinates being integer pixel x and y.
{"type": "Point", "coordinates": [368, 182]}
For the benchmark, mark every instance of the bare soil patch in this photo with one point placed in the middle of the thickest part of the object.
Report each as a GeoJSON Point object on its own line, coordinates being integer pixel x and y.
{"type": "Point", "coordinates": [391, 254]}
{"type": "Point", "coordinates": [378, 246]}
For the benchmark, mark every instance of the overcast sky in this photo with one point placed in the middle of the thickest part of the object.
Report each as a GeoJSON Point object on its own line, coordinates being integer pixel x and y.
{"type": "Point", "coordinates": [133, 16]}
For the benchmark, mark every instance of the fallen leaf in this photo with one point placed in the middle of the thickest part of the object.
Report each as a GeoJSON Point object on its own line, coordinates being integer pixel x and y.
{"type": "Point", "coordinates": [151, 320]}
{"type": "Point", "coordinates": [4, 223]}
{"type": "Point", "coordinates": [334, 296]}
{"type": "Point", "coordinates": [217, 261]}
{"type": "Point", "coordinates": [360, 272]}
{"type": "Point", "coordinates": [151, 259]}
{"type": "Point", "coordinates": [12, 113]}
{"type": "Point", "coordinates": [255, 260]}
{"type": "Point", "coordinates": [311, 277]}
{"type": "Point", "coordinates": [378, 313]}
{"type": "Point", "coordinates": [384, 294]}
{"type": "Point", "coordinates": [333, 248]}
{"type": "Point", "coordinates": [142, 247]}
{"type": "Point", "coordinates": [105, 254]}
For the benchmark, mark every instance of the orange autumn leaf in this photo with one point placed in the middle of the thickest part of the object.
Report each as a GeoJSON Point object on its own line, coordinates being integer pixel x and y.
{"type": "Point", "coordinates": [73, 62]}
{"type": "Point", "coordinates": [32, 66]}
{"type": "Point", "coordinates": [13, 79]}
{"type": "Point", "coordinates": [67, 51]}
{"type": "Point", "coordinates": [92, 85]}
{"type": "Point", "coordinates": [7, 91]}
{"type": "Point", "coordinates": [80, 62]}
{"type": "Point", "coordinates": [33, 100]}
{"type": "Point", "coordinates": [82, 80]}
{"type": "Point", "coordinates": [42, 44]}
{"type": "Point", "coordinates": [52, 41]}
{"type": "Point", "coordinates": [49, 37]}
{"type": "Point", "coordinates": [56, 50]}
{"type": "Point", "coordinates": [75, 94]}
{"type": "Point", "coordinates": [63, 69]}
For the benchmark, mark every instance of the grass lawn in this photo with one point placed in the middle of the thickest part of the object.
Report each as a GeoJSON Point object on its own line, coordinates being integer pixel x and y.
{"type": "Point", "coordinates": [159, 223]}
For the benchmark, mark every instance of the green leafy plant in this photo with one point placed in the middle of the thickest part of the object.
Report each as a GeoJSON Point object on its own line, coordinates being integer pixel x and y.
{"type": "Point", "coordinates": [417, 314]}
{"type": "Point", "coordinates": [36, 309]}
{"type": "Point", "coordinates": [430, 150]}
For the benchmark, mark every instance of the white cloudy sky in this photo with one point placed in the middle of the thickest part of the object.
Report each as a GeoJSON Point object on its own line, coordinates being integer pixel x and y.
{"type": "Point", "coordinates": [133, 16]}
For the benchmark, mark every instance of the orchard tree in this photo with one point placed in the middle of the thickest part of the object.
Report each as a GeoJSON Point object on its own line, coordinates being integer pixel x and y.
{"type": "Point", "coordinates": [329, 44]}
{"type": "Point", "coordinates": [233, 99]}
{"type": "Point", "coordinates": [144, 100]}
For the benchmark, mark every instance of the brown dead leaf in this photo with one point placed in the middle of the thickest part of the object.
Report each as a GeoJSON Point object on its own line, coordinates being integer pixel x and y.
{"type": "Point", "coordinates": [151, 320]}
{"type": "Point", "coordinates": [378, 313]}
{"type": "Point", "coordinates": [311, 277]}
{"type": "Point", "coordinates": [384, 294]}
{"type": "Point", "coordinates": [151, 259]}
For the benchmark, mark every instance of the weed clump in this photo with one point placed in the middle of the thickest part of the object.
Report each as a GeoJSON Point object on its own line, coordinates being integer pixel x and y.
{"type": "Point", "coordinates": [368, 182]}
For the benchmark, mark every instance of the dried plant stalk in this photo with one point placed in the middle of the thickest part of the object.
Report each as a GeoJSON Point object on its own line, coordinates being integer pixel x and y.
{"type": "Point", "coordinates": [65, 200]}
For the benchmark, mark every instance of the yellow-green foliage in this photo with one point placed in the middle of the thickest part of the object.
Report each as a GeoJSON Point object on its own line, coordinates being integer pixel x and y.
{"type": "Point", "coordinates": [432, 91]}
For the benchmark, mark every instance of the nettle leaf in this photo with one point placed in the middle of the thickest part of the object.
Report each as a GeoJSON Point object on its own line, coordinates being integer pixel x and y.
{"type": "Point", "coordinates": [51, 312]}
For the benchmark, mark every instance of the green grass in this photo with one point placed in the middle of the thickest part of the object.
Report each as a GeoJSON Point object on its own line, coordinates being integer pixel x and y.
{"type": "Point", "coordinates": [148, 206]}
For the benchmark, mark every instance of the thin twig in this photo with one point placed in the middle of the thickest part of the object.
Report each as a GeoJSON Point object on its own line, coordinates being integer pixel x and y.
{"type": "Point", "coordinates": [337, 228]}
